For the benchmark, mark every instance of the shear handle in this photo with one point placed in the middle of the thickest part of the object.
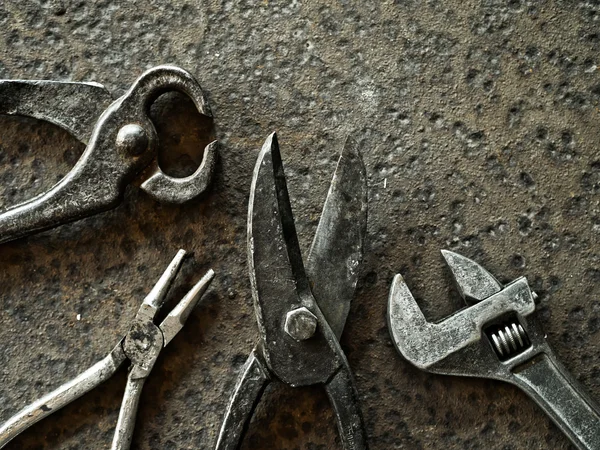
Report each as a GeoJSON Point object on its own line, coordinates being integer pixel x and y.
{"type": "Point", "coordinates": [343, 396]}
{"type": "Point", "coordinates": [248, 390]}
{"type": "Point", "coordinates": [65, 394]}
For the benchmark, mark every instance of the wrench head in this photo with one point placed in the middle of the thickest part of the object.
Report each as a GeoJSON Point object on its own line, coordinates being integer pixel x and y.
{"type": "Point", "coordinates": [455, 345]}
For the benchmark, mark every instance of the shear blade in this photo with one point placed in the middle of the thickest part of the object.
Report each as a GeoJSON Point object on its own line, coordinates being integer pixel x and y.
{"type": "Point", "coordinates": [474, 283]}
{"type": "Point", "coordinates": [272, 218]}
{"type": "Point", "coordinates": [337, 248]}
{"type": "Point", "coordinates": [279, 283]}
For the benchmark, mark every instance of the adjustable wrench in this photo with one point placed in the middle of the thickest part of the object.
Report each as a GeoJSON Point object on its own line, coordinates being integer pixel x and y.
{"type": "Point", "coordinates": [496, 337]}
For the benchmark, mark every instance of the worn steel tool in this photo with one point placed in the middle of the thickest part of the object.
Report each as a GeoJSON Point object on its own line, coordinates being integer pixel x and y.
{"type": "Point", "coordinates": [301, 314]}
{"type": "Point", "coordinates": [496, 337]}
{"type": "Point", "coordinates": [120, 139]}
{"type": "Point", "coordinates": [141, 346]}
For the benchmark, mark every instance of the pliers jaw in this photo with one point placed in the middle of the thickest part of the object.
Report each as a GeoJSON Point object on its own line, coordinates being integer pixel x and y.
{"type": "Point", "coordinates": [121, 144]}
{"type": "Point", "coordinates": [145, 340]}
{"type": "Point", "coordinates": [145, 91]}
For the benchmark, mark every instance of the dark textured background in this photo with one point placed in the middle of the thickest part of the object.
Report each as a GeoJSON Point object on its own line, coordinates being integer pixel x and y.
{"type": "Point", "coordinates": [478, 122]}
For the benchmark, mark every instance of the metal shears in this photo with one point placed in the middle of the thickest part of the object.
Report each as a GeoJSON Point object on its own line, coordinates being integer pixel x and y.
{"type": "Point", "coordinates": [301, 312]}
{"type": "Point", "coordinates": [141, 346]}
{"type": "Point", "coordinates": [497, 336]}
{"type": "Point", "coordinates": [120, 139]}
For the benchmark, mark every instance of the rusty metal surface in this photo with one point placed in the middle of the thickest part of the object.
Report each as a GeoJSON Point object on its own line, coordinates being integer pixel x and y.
{"type": "Point", "coordinates": [479, 121]}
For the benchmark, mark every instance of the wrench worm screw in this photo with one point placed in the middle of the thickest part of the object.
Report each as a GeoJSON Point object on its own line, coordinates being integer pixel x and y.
{"type": "Point", "coordinates": [509, 339]}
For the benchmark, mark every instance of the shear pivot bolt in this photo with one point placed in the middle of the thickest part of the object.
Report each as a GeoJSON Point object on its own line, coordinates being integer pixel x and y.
{"type": "Point", "coordinates": [132, 139]}
{"type": "Point", "coordinates": [300, 324]}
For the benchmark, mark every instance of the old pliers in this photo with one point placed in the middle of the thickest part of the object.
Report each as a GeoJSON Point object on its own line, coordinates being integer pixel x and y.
{"type": "Point", "coordinates": [497, 337]}
{"type": "Point", "coordinates": [140, 346]}
{"type": "Point", "coordinates": [301, 314]}
{"type": "Point", "coordinates": [120, 143]}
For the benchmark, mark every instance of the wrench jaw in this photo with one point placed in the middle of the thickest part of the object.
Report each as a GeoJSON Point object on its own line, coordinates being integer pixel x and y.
{"type": "Point", "coordinates": [514, 339]}
{"type": "Point", "coordinates": [408, 326]}
{"type": "Point", "coordinates": [473, 282]}
{"type": "Point", "coordinates": [462, 344]}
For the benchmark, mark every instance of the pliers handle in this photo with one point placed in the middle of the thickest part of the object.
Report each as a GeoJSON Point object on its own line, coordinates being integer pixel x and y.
{"type": "Point", "coordinates": [65, 394]}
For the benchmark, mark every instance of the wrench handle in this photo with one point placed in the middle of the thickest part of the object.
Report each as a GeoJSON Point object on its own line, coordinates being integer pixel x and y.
{"type": "Point", "coordinates": [563, 398]}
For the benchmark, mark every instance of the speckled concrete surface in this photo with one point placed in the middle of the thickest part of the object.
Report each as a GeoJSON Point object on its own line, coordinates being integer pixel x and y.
{"type": "Point", "coordinates": [478, 123]}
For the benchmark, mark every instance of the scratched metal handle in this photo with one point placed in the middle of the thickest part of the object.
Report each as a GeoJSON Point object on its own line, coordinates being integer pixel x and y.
{"type": "Point", "coordinates": [344, 398]}
{"type": "Point", "coordinates": [127, 414]}
{"type": "Point", "coordinates": [563, 399]}
{"type": "Point", "coordinates": [55, 207]}
{"type": "Point", "coordinates": [62, 396]}
{"type": "Point", "coordinates": [248, 390]}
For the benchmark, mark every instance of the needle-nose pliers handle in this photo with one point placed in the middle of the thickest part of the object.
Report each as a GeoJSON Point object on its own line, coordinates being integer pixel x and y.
{"type": "Point", "coordinates": [65, 394]}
